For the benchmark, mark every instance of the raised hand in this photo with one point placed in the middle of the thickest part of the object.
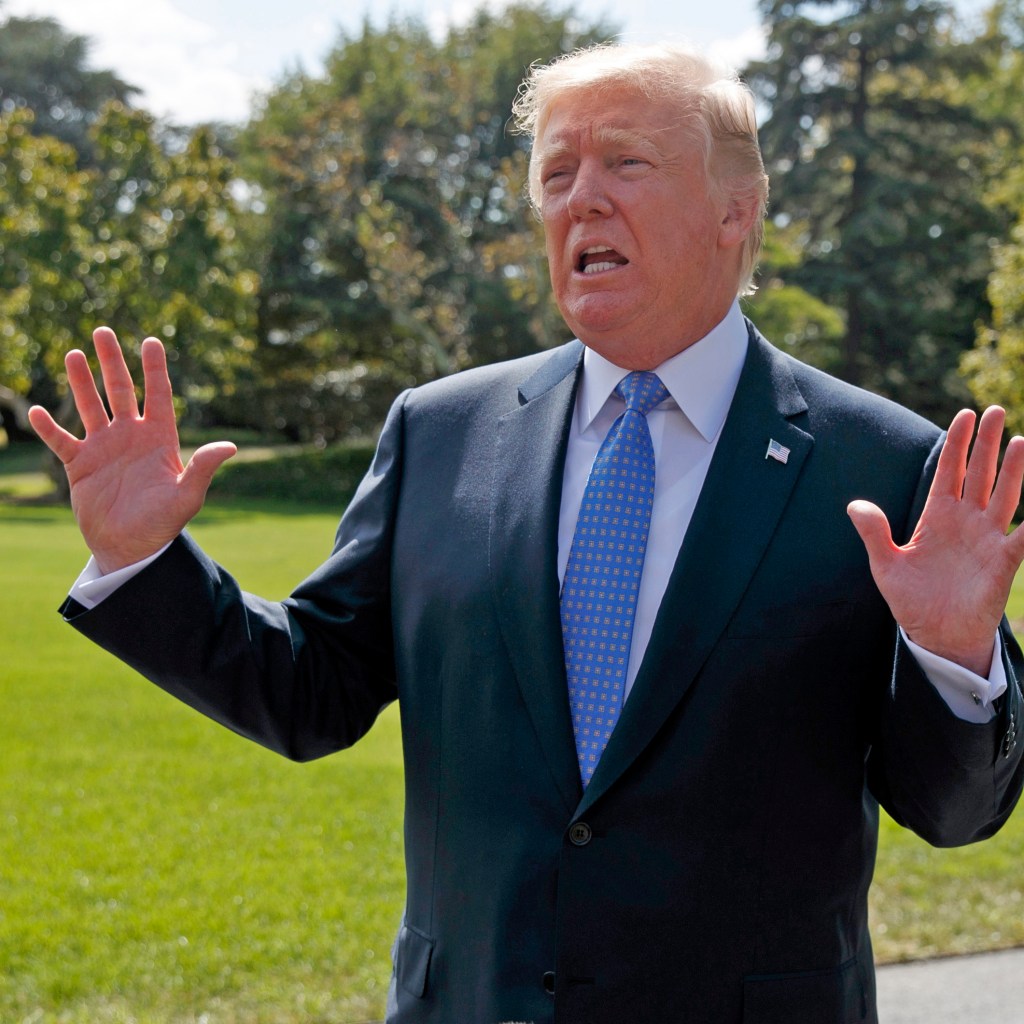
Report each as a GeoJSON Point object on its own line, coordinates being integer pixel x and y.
{"type": "Point", "coordinates": [129, 490]}
{"type": "Point", "coordinates": [947, 587]}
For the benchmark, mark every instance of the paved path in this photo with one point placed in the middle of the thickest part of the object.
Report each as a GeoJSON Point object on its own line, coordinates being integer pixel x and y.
{"type": "Point", "coordinates": [984, 989]}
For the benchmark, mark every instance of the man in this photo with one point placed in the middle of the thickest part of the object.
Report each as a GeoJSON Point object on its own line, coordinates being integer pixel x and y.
{"type": "Point", "coordinates": [651, 683]}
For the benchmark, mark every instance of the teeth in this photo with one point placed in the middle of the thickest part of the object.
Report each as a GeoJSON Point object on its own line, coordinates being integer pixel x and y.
{"type": "Point", "coordinates": [596, 268]}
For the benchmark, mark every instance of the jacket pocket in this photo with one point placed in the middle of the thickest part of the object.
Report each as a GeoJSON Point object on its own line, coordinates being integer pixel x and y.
{"type": "Point", "coordinates": [413, 950]}
{"type": "Point", "coordinates": [843, 995]}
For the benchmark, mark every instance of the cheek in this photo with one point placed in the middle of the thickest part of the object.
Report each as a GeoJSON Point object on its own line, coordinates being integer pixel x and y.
{"type": "Point", "coordinates": [556, 270]}
{"type": "Point", "coordinates": [688, 241]}
{"type": "Point", "coordinates": [558, 260]}
{"type": "Point", "coordinates": [551, 245]}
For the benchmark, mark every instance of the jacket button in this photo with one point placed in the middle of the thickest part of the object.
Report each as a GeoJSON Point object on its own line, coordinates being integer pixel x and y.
{"type": "Point", "coordinates": [549, 982]}
{"type": "Point", "coordinates": [580, 834]}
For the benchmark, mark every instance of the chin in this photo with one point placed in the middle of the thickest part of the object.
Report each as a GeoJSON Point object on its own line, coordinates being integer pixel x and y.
{"type": "Point", "coordinates": [597, 319]}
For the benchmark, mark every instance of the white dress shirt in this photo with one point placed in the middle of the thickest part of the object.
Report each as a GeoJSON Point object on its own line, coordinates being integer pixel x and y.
{"type": "Point", "coordinates": [684, 430]}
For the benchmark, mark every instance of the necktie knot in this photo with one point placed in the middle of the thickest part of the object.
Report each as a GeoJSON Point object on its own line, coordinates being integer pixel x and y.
{"type": "Point", "coordinates": [641, 390]}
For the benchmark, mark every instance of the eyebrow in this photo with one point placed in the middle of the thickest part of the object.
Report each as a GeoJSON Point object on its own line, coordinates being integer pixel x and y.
{"type": "Point", "coordinates": [626, 137]}
{"type": "Point", "coordinates": [562, 144]}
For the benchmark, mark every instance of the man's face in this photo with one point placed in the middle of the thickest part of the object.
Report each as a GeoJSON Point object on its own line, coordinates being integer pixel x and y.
{"type": "Point", "coordinates": [643, 260]}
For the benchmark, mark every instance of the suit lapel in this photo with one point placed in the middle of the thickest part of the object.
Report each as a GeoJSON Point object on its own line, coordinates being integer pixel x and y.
{"type": "Point", "coordinates": [523, 554]}
{"type": "Point", "coordinates": [740, 504]}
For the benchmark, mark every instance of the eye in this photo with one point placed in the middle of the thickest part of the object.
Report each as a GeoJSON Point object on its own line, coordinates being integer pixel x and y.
{"type": "Point", "coordinates": [555, 178]}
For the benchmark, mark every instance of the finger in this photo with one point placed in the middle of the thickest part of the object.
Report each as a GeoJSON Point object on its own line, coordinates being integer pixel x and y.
{"type": "Point", "coordinates": [91, 409]}
{"type": "Point", "coordinates": [52, 434]}
{"type": "Point", "coordinates": [1015, 548]}
{"type": "Point", "coordinates": [117, 381]}
{"type": "Point", "coordinates": [1007, 492]}
{"type": "Point", "coordinates": [952, 465]}
{"type": "Point", "coordinates": [159, 401]}
{"type": "Point", "coordinates": [871, 524]}
{"type": "Point", "coordinates": [984, 461]}
{"type": "Point", "coordinates": [201, 467]}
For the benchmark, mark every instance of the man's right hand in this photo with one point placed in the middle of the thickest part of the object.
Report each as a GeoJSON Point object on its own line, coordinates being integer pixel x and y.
{"type": "Point", "coordinates": [129, 490]}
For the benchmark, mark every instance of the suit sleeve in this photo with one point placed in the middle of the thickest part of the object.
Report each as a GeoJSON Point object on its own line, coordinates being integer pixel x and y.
{"type": "Point", "coordinates": [304, 677]}
{"type": "Point", "coordinates": [950, 781]}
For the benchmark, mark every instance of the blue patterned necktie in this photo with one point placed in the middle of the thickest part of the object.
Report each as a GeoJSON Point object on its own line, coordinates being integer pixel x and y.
{"type": "Point", "coordinates": [602, 577]}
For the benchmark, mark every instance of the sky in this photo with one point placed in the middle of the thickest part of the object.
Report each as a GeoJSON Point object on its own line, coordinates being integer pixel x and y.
{"type": "Point", "coordinates": [199, 60]}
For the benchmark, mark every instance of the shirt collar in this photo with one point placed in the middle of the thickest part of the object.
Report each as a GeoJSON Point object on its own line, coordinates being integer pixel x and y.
{"type": "Point", "coordinates": [701, 379]}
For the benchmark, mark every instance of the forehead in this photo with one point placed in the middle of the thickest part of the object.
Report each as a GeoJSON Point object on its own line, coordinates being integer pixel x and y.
{"type": "Point", "coordinates": [601, 117]}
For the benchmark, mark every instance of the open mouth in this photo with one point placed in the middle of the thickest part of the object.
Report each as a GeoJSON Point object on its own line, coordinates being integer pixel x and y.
{"type": "Point", "coordinates": [597, 258]}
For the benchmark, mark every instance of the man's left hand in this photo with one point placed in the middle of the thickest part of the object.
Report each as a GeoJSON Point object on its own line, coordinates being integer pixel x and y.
{"type": "Point", "coordinates": [948, 585]}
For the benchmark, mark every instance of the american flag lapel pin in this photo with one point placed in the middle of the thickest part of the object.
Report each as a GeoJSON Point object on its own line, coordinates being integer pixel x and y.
{"type": "Point", "coordinates": [776, 451]}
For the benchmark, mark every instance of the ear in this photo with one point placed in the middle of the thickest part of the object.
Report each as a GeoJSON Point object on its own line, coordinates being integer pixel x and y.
{"type": "Point", "coordinates": [738, 222]}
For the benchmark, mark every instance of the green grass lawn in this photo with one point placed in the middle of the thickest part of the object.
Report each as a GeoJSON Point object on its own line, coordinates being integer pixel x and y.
{"type": "Point", "coordinates": [156, 868]}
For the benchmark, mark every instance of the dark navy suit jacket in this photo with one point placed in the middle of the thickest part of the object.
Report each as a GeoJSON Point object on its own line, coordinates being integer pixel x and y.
{"type": "Point", "coordinates": [716, 869]}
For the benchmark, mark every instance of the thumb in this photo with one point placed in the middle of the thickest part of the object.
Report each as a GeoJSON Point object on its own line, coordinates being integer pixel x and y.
{"type": "Point", "coordinates": [204, 463]}
{"type": "Point", "coordinates": [871, 524]}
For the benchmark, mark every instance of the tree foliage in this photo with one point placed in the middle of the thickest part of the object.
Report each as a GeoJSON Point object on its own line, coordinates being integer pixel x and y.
{"type": "Point", "coordinates": [994, 369]}
{"type": "Point", "coordinates": [43, 69]}
{"type": "Point", "coordinates": [878, 157]}
{"type": "Point", "coordinates": [142, 239]}
{"type": "Point", "coordinates": [791, 317]}
{"type": "Point", "coordinates": [388, 220]}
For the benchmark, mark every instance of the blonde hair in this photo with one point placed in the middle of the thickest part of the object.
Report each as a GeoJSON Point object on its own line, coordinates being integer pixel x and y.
{"type": "Point", "coordinates": [715, 107]}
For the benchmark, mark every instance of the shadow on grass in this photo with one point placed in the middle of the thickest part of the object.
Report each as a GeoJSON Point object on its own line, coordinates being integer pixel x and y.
{"type": "Point", "coordinates": [281, 481]}
{"type": "Point", "coordinates": [216, 512]}
{"type": "Point", "coordinates": [13, 513]}
{"type": "Point", "coordinates": [222, 510]}
{"type": "Point", "coordinates": [25, 457]}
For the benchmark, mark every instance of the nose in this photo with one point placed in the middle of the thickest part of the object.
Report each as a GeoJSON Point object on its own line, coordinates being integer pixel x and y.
{"type": "Point", "coordinates": [589, 196]}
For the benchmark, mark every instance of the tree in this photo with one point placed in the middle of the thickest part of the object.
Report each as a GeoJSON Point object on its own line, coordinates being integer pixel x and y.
{"type": "Point", "coordinates": [394, 240]}
{"type": "Point", "coordinates": [43, 68]}
{"type": "Point", "coordinates": [793, 319]}
{"type": "Point", "coordinates": [143, 239]}
{"type": "Point", "coordinates": [42, 198]}
{"type": "Point", "coordinates": [169, 260]}
{"type": "Point", "coordinates": [994, 369]}
{"type": "Point", "coordinates": [876, 154]}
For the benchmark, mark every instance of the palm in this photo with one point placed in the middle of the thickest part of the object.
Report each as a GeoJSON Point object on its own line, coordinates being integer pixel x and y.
{"type": "Point", "coordinates": [125, 485]}
{"type": "Point", "coordinates": [948, 585]}
{"type": "Point", "coordinates": [129, 490]}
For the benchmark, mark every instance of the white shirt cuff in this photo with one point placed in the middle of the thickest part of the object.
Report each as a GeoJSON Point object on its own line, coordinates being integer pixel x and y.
{"type": "Point", "coordinates": [92, 586]}
{"type": "Point", "coordinates": [968, 695]}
